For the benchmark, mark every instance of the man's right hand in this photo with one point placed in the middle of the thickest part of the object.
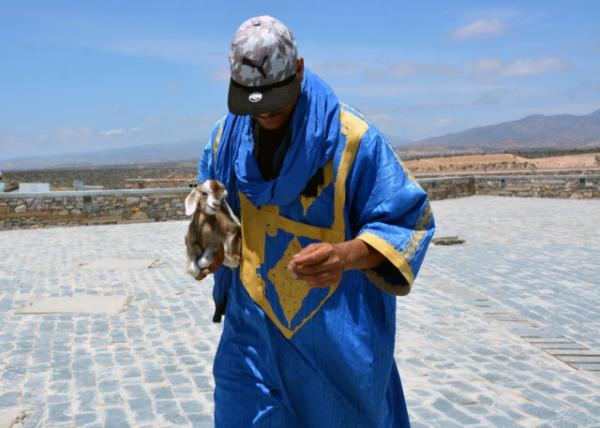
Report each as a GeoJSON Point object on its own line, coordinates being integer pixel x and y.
{"type": "Point", "coordinates": [219, 256]}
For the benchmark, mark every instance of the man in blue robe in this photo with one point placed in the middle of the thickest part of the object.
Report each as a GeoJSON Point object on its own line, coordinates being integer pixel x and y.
{"type": "Point", "coordinates": [333, 229]}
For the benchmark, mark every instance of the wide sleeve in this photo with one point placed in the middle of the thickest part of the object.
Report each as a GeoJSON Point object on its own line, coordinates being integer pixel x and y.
{"type": "Point", "coordinates": [206, 169]}
{"type": "Point", "coordinates": [390, 212]}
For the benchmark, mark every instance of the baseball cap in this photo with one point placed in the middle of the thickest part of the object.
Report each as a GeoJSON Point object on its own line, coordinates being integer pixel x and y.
{"type": "Point", "coordinates": [262, 58]}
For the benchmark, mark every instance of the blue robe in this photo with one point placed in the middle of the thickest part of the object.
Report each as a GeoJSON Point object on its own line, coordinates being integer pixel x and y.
{"type": "Point", "coordinates": [291, 355]}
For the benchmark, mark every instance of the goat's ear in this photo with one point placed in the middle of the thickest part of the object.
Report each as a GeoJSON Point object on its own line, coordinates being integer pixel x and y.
{"type": "Point", "coordinates": [224, 194]}
{"type": "Point", "coordinates": [191, 202]}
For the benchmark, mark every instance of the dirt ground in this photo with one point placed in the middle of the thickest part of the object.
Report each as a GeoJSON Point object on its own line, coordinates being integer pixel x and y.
{"type": "Point", "coordinates": [503, 162]}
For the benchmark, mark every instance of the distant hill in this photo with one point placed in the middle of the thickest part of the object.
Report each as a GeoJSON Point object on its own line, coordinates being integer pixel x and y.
{"type": "Point", "coordinates": [131, 155]}
{"type": "Point", "coordinates": [535, 132]}
{"type": "Point", "coordinates": [398, 141]}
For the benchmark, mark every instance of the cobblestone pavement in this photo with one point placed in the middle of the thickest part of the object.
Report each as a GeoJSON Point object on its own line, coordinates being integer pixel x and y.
{"type": "Point", "coordinates": [499, 331]}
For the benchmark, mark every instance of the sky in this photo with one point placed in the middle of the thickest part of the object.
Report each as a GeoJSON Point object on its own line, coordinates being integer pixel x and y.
{"type": "Point", "coordinates": [87, 75]}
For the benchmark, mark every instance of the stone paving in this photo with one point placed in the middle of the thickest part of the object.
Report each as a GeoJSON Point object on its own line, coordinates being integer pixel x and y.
{"type": "Point", "coordinates": [476, 340]}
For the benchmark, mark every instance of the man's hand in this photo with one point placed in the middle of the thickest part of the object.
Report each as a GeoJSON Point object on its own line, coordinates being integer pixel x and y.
{"type": "Point", "coordinates": [219, 256]}
{"type": "Point", "coordinates": [323, 264]}
{"type": "Point", "coordinates": [320, 265]}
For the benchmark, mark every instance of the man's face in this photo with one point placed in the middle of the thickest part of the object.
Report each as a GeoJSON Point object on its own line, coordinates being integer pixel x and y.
{"type": "Point", "coordinates": [275, 120]}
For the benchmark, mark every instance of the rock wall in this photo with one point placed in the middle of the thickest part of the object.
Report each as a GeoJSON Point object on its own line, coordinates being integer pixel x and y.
{"type": "Point", "coordinates": [109, 178]}
{"type": "Point", "coordinates": [448, 187]}
{"type": "Point", "coordinates": [158, 183]}
{"type": "Point", "coordinates": [31, 210]}
{"type": "Point", "coordinates": [540, 186]}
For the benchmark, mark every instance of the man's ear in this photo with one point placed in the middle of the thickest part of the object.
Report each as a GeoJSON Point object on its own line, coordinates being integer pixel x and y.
{"type": "Point", "coordinates": [300, 68]}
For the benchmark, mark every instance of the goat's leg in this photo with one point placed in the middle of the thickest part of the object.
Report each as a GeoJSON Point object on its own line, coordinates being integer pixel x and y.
{"type": "Point", "coordinates": [192, 266]}
{"type": "Point", "coordinates": [232, 250]}
{"type": "Point", "coordinates": [207, 258]}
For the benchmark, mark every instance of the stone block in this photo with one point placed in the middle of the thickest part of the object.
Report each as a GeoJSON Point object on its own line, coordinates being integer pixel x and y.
{"type": "Point", "coordinates": [78, 304]}
{"type": "Point", "coordinates": [139, 215]}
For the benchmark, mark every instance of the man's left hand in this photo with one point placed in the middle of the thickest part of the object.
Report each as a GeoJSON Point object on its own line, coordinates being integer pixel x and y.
{"type": "Point", "coordinates": [320, 265]}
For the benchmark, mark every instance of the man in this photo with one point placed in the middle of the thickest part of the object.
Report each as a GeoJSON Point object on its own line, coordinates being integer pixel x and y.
{"type": "Point", "coordinates": [332, 229]}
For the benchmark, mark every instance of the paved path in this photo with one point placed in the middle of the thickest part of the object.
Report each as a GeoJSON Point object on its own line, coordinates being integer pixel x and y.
{"type": "Point", "coordinates": [500, 331]}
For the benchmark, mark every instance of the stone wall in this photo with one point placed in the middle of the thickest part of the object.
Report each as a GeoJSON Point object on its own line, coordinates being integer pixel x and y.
{"type": "Point", "coordinates": [448, 187]}
{"type": "Point", "coordinates": [540, 186]}
{"type": "Point", "coordinates": [158, 183]}
{"type": "Point", "coordinates": [109, 178]}
{"type": "Point", "coordinates": [30, 210]}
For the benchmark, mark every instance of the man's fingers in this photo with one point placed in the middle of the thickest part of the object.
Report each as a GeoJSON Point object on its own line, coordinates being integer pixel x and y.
{"type": "Point", "coordinates": [218, 258]}
{"type": "Point", "coordinates": [314, 269]}
{"type": "Point", "coordinates": [325, 279]}
{"type": "Point", "coordinates": [203, 274]}
{"type": "Point", "coordinates": [311, 256]}
{"type": "Point", "coordinates": [214, 266]}
{"type": "Point", "coordinates": [310, 248]}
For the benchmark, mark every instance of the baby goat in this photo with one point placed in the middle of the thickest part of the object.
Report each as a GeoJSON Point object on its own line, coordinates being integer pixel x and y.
{"type": "Point", "coordinates": [213, 224]}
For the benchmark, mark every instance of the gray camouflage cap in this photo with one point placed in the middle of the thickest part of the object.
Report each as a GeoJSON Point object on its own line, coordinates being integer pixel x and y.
{"type": "Point", "coordinates": [263, 59]}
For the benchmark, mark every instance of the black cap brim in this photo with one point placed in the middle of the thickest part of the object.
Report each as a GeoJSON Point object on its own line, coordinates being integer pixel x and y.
{"type": "Point", "coordinates": [261, 99]}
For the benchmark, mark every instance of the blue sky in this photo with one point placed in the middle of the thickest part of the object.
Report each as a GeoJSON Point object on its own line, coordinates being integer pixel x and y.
{"type": "Point", "coordinates": [88, 75]}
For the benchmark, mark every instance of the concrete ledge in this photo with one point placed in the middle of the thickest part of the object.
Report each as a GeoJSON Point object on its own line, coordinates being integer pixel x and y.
{"type": "Point", "coordinates": [564, 177]}
{"type": "Point", "coordinates": [463, 179]}
{"type": "Point", "coordinates": [82, 193]}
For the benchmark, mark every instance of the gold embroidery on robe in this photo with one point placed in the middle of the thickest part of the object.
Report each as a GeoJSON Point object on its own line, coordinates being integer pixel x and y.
{"type": "Point", "coordinates": [307, 201]}
{"type": "Point", "coordinates": [291, 291]}
{"type": "Point", "coordinates": [257, 223]}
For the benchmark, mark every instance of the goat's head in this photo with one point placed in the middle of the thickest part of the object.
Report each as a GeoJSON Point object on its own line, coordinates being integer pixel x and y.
{"type": "Point", "coordinates": [207, 197]}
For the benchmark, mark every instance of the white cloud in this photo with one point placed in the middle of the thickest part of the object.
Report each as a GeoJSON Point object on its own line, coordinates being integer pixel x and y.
{"type": "Point", "coordinates": [408, 69]}
{"type": "Point", "coordinates": [120, 131]}
{"type": "Point", "coordinates": [486, 65]}
{"type": "Point", "coordinates": [193, 51]}
{"type": "Point", "coordinates": [479, 28]}
{"type": "Point", "coordinates": [492, 96]}
{"type": "Point", "coordinates": [110, 132]}
{"type": "Point", "coordinates": [406, 90]}
{"type": "Point", "coordinates": [483, 69]}
{"type": "Point", "coordinates": [530, 67]}
{"type": "Point", "coordinates": [494, 68]}
{"type": "Point", "coordinates": [74, 133]}
{"type": "Point", "coordinates": [335, 67]}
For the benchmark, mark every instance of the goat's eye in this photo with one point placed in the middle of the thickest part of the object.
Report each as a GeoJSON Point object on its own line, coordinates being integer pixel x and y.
{"type": "Point", "coordinates": [204, 193]}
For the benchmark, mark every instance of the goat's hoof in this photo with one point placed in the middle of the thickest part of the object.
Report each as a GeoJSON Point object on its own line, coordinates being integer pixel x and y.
{"type": "Point", "coordinates": [193, 270]}
{"type": "Point", "coordinates": [204, 263]}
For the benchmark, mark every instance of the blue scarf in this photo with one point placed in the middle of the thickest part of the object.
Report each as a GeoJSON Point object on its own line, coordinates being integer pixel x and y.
{"type": "Point", "coordinates": [315, 130]}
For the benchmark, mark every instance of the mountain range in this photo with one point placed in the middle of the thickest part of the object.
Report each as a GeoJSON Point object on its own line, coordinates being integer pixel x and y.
{"type": "Point", "coordinates": [131, 155]}
{"type": "Point", "coordinates": [537, 132]}
{"type": "Point", "coordinates": [557, 132]}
